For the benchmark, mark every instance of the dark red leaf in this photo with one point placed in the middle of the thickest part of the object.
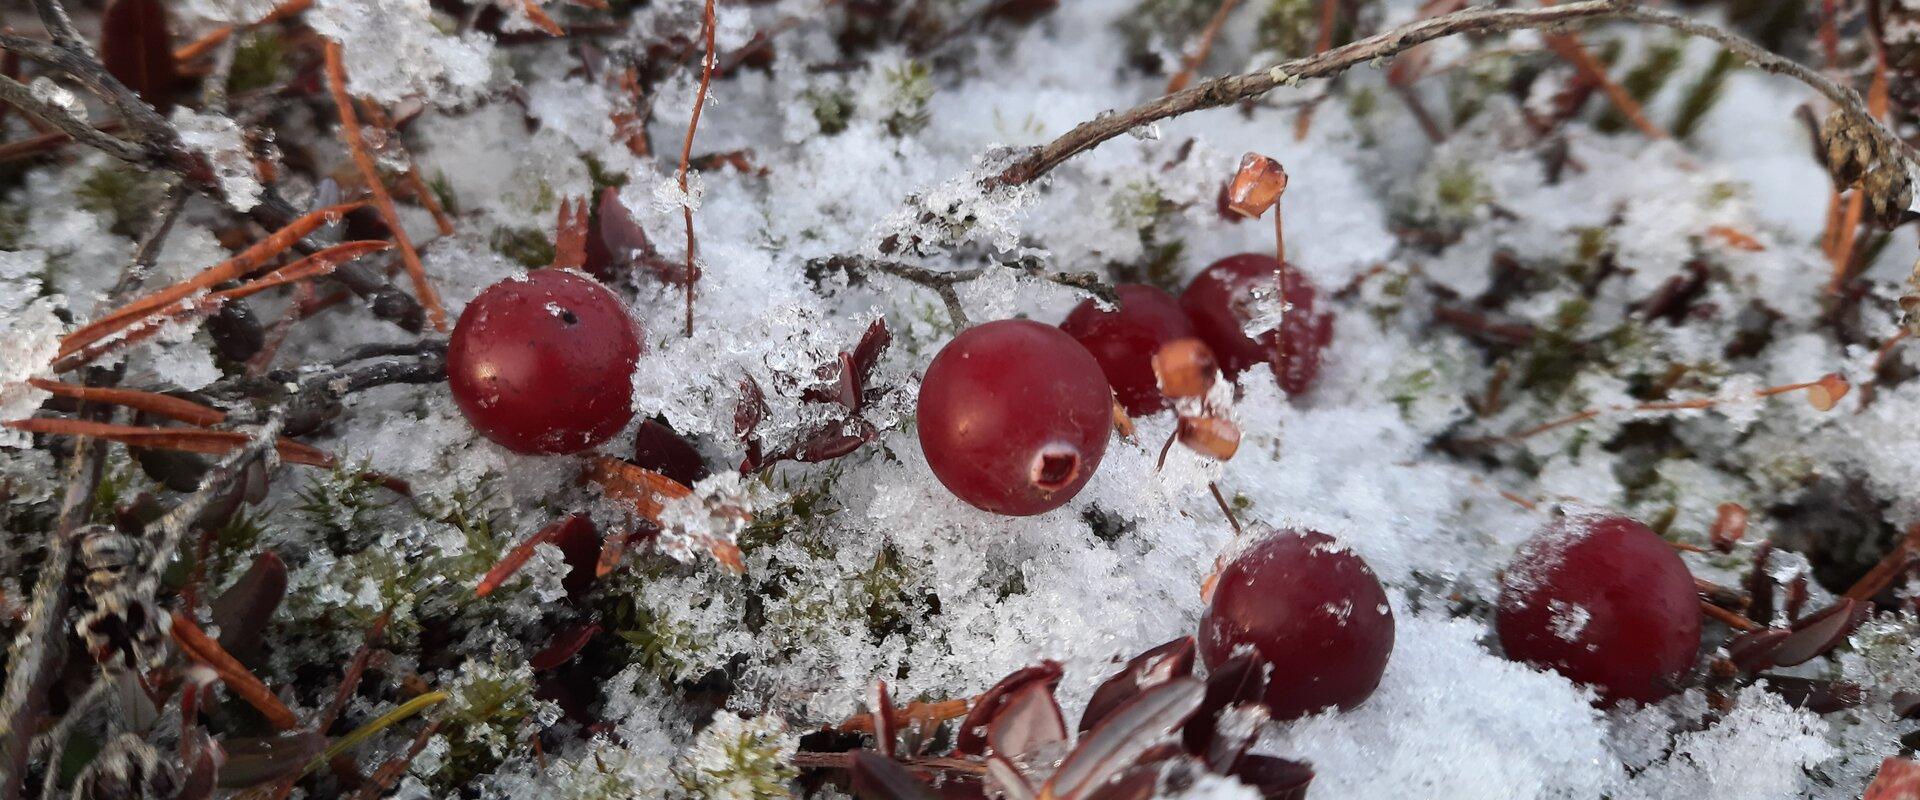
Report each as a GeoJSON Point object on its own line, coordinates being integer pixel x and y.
{"type": "Point", "coordinates": [1274, 778]}
{"type": "Point", "coordinates": [1818, 696]}
{"type": "Point", "coordinates": [1906, 705]}
{"type": "Point", "coordinates": [658, 448]}
{"type": "Point", "coordinates": [1753, 651]}
{"type": "Point", "coordinates": [833, 440]}
{"type": "Point", "coordinates": [1117, 744]}
{"type": "Point", "coordinates": [1760, 586]}
{"type": "Point", "coordinates": [873, 344]}
{"type": "Point", "coordinates": [1029, 720]}
{"type": "Point", "coordinates": [254, 760]}
{"type": "Point", "coordinates": [840, 384]}
{"type": "Point", "coordinates": [136, 47]}
{"type": "Point", "coordinates": [202, 763]}
{"type": "Point", "coordinates": [1820, 632]}
{"type": "Point", "coordinates": [750, 410]}
{"type": "Point", "coordinates": [1156, 666]}
{"type": "Point", "coordinates": [972, 736]}
{"type": "Point", "coordinates": [243, 610]}
{"type": "Point", "coordinates": [1138, 783]}
{"type": "Point", "coordinates": [1236, 681]}
{"type": "Point", "coordinates": [1898, 779]}
{"type": "Point", "coordinates": [876, 777]}
{"type": "Point", "coordinates": [880, 707]}
{"type": "Point", "coordinates": [579, 543]}
{"type": "Point", "coordinates": [565, 645]}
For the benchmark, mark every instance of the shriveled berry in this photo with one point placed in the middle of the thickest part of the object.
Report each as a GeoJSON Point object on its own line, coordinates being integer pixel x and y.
{"type": "Point", "coordinates": [544, 363]}
{"type": "Point", "coordinates": [1124, 340]}
{"type": "Point", "coordinates": [1225, 296]}
{"type": "Point", "coordinates": [1014, 416]}
{"type": "Point", "coordinates": [1604, 601]}
{"type": "Point", "coordinates": [1313, 610]}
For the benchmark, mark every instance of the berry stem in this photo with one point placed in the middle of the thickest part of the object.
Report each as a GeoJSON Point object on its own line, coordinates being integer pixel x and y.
{"type": "Point", "coordinates": [686, 151]}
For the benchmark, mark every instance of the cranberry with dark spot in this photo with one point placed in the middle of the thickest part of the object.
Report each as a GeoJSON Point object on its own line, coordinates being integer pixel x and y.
{"type": "Point", "coordinates": [544, 363]}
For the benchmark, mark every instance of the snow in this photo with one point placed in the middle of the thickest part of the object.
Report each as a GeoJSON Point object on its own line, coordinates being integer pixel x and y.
{"type": "Point", "coordinates": [218, 139]}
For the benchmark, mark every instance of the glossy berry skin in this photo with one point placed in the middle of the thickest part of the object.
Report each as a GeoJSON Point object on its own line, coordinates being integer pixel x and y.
{"type": "Point", "coordinates": [1014, 416]}
{"type": "Point", "coordinates": [1219, 301]}
{"type": "Point", "coordinates": [1312, 610]}
{"type": "Point", "coordinates": [1124, 340]}
{"type": "Point", "coordinates": [544, 363]}
{"type": "Point", "coordinates": [1604, 601]}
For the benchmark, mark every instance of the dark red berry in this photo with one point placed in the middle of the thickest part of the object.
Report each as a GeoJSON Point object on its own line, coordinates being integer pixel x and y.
{"type": "Point", "coordinates": [1604, 601]}
{"type": "Point", "coordinates": [1124, 340]}
{"type": "Point", "coordinates": [1313, 610]}
{"type": "Point", "coordinates": [544, 363]}
{"type": "Point", "coordinates": [1014, 416]}
{"type": "Point", "coordinates": [1220, 301]}
{"type": "Point", "coordinates": [658, 448]}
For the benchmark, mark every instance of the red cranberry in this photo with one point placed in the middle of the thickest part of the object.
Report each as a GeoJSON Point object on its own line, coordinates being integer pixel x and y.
{"type": "Point", "coordinates": [544, 363]}
{"type": "Point", "coordinates": [1220, 301]}
{"type": "Point", "coordinates": [1124, 340]}
{"type": "Point", "coordinates": [1014, 416]}
{"type": "Point", "coordinates": [1313, 610]}
{"type": "Point", "coordinates": [1602, 600]}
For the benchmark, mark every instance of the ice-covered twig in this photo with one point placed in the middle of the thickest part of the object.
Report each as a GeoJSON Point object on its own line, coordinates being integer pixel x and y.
{"type": "Point", "coordinates": [686, 150]}
{"type": "Point", "coordinates": [16, 94]}
{"type": "Point", "coordinates": [943, 282]}
{"type": "Point", "coordinates": [1234, 88]}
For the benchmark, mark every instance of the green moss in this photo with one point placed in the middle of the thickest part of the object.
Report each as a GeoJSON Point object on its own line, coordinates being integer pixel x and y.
{"type": "Point", "coordinates": [1289, 27]}
{"type": "Point", "coordinates": [341, 505]}
{"type": "Point", "coordinates": [524, 246]}
{"type": "Point", "coordinates": [1702, 95]}
{"type": "Point", "coordinates": [443, 191]}
{"type": "Point", "coordinates": [258, 62]}
{"type": "Point", "coordinates": [911, 86]}
{"type": "Point", "coordinates": [832, 108]}
{"type": "Point", "coordinates": [121, 193]}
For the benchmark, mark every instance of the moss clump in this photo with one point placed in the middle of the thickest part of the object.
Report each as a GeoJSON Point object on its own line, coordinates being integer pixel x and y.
{"type": "Point", "coordinates": [832, 108]}
{"type": "Point", "coordinates": [258, 62]}
{"type": "Point", "coordinates": [910, 86]}
{"type": "Point", "coordinates": [122, 194]}
{"type": "Point", "coordinates": [524, 246]}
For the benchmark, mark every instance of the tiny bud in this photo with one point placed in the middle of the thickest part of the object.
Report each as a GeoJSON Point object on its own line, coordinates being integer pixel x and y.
{"type": "Point", "coordinates": [1257, 186]}
{"type": "Point", "coordinates": [1214, 438]}
{"type": "Point", "coordinates": [1729, 524]}
{"type": "Point", "coordinates": [1827, 392]}
{"type": "Point", "coordinates": [1185, 368]}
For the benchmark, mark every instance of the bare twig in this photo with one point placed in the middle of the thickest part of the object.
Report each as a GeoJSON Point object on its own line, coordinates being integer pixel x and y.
{"type": "Point", "coordinates": [811, 760]}
{"type": "Point", "coordinates": [1234, 88]}
{"type": "Point", "coordinates": [16, 94]}
{"type": "Point", "coordinates": [943, 282]}
{"type": "Point", "coordinates": [686, 151]}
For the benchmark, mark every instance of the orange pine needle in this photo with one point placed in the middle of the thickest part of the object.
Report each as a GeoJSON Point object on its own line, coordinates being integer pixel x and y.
{"type": "Point", "coordinates": [929, 714]}
{"type": "Point", "coordinates": [1736, 239]}
{"type": "Point", "coordinates": [203, 648]}
{"type": "Point", "coordinates": [168, 406]}
{"type": "Point", "coordinates": [1730, 619]}
{"type": "Point", "coordinates": [238, 266]}
{"type": "Point", "coordinates": [570, 236]}
{"type": "Point", "coordinates": [213, 38]}
{"type": "Point", "coordinates": [645, 490]}
{"type": "Point", "coordinates": [1569, 47]}
{"type": "Point", "coordinates": [357, 147]}
{"type": "Point", "coordinates": [540, 18]}
{"type": "Point", "coordinates": [518, 557]}
{"type": "Point", "coordinates": [144, 327]}
{"type": "Point", "coordinates": [686, 152]}
{"type": "Point", "coordinates": [1207, 36]}
{"type": "Point", "coordinates": [1822, 394]}
{"type": "Point", "coordinates": [186, 440]}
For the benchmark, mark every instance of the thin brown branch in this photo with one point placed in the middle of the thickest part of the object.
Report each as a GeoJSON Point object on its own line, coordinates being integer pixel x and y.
{"type": "Point", "coordinates": [943, 282]}
{"type": "Point", "coordinates": [811, 760]}
{"type": "Point", "coordinates": [686, 150]}
{"type": "Point", "coordinates": [1235, 88]}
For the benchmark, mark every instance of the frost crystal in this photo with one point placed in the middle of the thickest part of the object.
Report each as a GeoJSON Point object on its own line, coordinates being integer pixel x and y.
{"type": "Point", "coordinates": [394, 51]}
{"type": "Point", "coordinates": [218, 139]}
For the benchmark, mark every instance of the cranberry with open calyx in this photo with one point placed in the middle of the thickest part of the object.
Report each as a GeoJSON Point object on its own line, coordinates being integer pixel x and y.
{"type": "Point", "coordinates": [1124, 340]}
{"type": "Point", "coordinates": [1223, 298]}
{"type": "Point", "coordinates": [1313, 610]}
{"type": "Point", "coordinates": [1014, 416]}
{"type": "Point", "coordinates": [544, 363]}
{"type": "Point", "coordinates": [1604, 601]}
